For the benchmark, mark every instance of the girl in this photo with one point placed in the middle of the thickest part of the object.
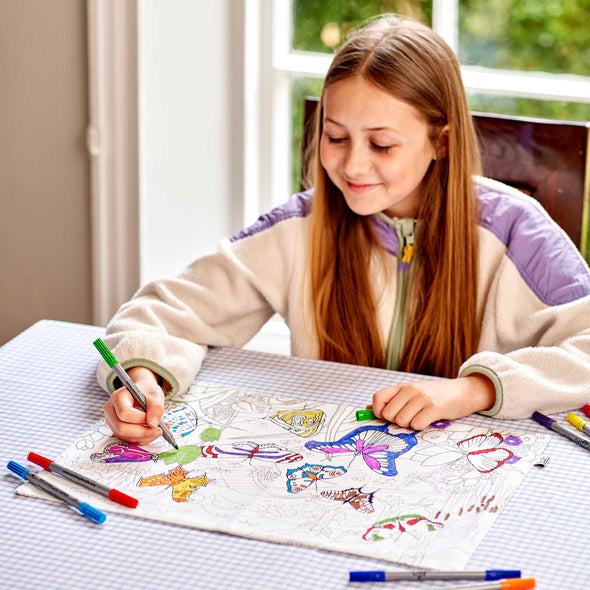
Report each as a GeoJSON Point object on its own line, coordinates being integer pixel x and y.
{"type": "Point", "coordinates": [399, 257]}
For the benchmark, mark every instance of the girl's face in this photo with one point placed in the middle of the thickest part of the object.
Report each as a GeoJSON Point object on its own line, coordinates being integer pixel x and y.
{"type": "Point", "coordinates": [375, 148]}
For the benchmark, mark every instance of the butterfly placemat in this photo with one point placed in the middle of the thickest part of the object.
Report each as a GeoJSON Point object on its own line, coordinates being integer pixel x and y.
{"type": "Point", "coordinates": [297, 472]}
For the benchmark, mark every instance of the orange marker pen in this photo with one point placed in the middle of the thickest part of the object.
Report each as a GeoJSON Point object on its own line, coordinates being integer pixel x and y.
{"type": "Point", "coordinates": [514, 584]}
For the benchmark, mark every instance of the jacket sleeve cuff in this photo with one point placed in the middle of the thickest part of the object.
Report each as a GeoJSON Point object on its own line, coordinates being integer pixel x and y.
{"type": "Point", "coordinates": [112, 382]}
{"type": "Point", "coordinates": [492, 375]}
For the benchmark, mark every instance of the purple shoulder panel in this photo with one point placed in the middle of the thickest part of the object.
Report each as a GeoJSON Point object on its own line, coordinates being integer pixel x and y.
{"type": "Point", "coordinates": [299, 205]}
{"type": "Point", "coordinates": [545, 258]}
{"type": "Point", "coordinates": [386, 234]}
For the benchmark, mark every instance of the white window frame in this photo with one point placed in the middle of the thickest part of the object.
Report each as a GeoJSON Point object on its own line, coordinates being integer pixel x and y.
{"type": "Point", "coordinates": [112, 142]}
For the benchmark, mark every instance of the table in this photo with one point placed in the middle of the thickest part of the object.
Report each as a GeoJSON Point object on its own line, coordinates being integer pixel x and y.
{"type": "Point", "coordinates": [542, 531]}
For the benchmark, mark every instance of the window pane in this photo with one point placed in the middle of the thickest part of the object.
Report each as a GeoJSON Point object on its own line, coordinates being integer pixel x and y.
{"type": "Point", "coordinates": [321, 25]}
{"type": "Point", "coordinates": [527, 35]}
{"type": "Point", "coordinates": [529, 107]}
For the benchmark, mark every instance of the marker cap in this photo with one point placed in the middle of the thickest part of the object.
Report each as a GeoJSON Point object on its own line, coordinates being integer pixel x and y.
{"type": "Point", "coordinates": [92, 513]}
{"type": "Point", "coordinates": [106, 354]}
{"type": "Point", "coordinates": [365, 415]}
{"type": "Point", "coordinates": [39, 460]}
{"type": "Point", "coordinates": [575, 420]}
{"type": "Point", "coordinates": [18, 469]}
{"type": "Point", "coordinates": [518, 584]}
{"type": "Point", "coordinates": [501, 574]}
{"type": "Point", "coordinates": [366, 576]}
{"type": "Point", "coordinates": [124, 499]}
{"type": "Point", "coordinates": [586, 410]}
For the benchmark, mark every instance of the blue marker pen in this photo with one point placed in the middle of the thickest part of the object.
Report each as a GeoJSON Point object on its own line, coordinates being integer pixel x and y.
{"type": "Point", "coordinates": [85, 509]}
{"type": "Point", "coordinates": [380, 576]}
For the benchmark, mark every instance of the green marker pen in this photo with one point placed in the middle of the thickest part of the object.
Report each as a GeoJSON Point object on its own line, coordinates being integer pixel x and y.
{"type": "Point", "coordinates": [113, 363]}
{"type": "Point", "coordinates": [365, 414]}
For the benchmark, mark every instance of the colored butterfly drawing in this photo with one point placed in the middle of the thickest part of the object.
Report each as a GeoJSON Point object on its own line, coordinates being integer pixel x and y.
{"type": "Point", "coordinates": [123, 452]}
{"type": "Point", "coordinates": [482, 451]}
{"type": "Point", "coordinates": [182, 487]}
{"type": "Point", "coordinates": [354, 497]}
{"type": "Point", "coordinates": [301, 422]}
{"type": "Point", "coordinates": [375, 444]}
{"type": "Point", "coordinates": [181, 420]}
{"type": "Point", "coordinates": [251, 450]}
{"type": "Point", "coordinates": [392, 528]}
{"type": "Point", "coordinates": [301, 478]}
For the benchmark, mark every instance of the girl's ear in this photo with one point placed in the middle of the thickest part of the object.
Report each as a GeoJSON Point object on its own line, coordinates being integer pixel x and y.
{"type": "Point", "coordinates": [441, 143]}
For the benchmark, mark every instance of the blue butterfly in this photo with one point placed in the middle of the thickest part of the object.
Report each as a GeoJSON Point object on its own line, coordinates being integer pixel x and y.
{"type": "Point", "coordinates": [378, 447]}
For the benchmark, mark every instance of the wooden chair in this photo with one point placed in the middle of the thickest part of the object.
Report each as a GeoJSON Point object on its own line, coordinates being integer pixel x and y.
{"type": "Point", "coordinates": [549, 160]}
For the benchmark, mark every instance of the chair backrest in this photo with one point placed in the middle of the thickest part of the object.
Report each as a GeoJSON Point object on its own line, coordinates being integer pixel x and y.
{"type": "Point", "coordinates": [549, 160]}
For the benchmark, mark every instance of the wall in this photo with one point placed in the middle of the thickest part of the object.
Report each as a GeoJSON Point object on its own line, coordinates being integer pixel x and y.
{"type": "Point", "coordinates": [190, 88]}
{"type": "Point", "coordinates": [44, 179]}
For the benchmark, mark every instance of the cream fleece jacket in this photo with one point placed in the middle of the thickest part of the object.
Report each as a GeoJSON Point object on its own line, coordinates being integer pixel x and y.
{"type": "Point", "coordinates": [533, 299]}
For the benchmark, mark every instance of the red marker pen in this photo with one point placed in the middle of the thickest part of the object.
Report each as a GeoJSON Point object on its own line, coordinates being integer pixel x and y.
{"type": "Point", "coordinates": [111, 493]}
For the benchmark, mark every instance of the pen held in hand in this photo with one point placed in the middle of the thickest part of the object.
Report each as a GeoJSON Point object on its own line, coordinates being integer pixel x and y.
{"type": "Point", "coordinates": [78, 478]}
{"type": "Point", "coordinates": [113, 363]}
{"type": "Point", "coordinates": [84, 508]}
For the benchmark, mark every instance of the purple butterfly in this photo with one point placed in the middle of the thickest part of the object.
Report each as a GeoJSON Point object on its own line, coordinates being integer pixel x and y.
{"type": "Point", "coordinates": [123, 452]}
{"type": "Point", "coordinates": [378, 447]}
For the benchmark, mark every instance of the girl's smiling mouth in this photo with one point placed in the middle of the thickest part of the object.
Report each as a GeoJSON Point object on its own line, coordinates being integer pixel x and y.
{"type": "Point", "coordinates": [360, 188]}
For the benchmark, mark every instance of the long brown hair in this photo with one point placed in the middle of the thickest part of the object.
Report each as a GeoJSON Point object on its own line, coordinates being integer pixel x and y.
{"type": "Point", "coordinates": [410, 61]}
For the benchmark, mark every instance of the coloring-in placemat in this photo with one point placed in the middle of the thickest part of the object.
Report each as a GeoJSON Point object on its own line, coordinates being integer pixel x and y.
{"type": "Point", "coordinates": [307, 473]}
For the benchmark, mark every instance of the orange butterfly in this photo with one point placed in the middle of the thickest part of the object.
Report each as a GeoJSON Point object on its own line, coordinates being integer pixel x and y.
{"type": "Point", "coordinates": [182, 487]}
{"type": "Point", "coordinates": [353, 496]}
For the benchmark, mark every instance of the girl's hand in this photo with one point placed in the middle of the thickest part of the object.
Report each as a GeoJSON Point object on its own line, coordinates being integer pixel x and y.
{"type": "Point", "coordinates": [126, 419]}
{"type": "Point", "coordinates": [417, 404]}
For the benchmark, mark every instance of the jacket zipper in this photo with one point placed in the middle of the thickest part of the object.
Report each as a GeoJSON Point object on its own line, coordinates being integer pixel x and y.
{"type": "Point", "coordinates": [405, 235]}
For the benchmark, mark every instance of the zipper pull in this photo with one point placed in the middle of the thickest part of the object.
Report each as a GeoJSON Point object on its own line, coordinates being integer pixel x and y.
{"type": "Point", "coordinates": [406, 258]}
{"type": "Point", "coordinates": [407, 231]}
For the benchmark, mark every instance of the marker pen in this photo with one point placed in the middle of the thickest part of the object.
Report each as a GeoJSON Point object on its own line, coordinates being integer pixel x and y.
{"type": "Point", "coordinates": [84, 508]}
{"type": "Point", "coordinates": [95, 486]}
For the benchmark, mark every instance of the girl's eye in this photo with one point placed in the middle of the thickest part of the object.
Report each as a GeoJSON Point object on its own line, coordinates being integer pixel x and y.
{"type": "Point", "coordinates": [384, 149]}
{"type": "Point", "coordinates": [336, 139]}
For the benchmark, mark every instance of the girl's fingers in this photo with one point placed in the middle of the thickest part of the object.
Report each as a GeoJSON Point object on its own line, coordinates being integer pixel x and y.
{"type": "Point", "coordinates": [408, 412]}
{"type": "Point", "coordinates": [132, 432]}
{"type": "Point", "coordinates": [125, 408]}
{"type": "Point", "coordinates": [382, 397]}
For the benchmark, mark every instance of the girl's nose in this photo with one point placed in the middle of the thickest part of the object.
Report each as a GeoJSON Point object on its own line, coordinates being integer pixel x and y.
{"type": "Point", "coordinates": [357, 160]}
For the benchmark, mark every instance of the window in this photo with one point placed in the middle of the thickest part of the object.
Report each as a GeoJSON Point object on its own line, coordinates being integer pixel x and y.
{"type": "Point", "coordinates": [521, 57]}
